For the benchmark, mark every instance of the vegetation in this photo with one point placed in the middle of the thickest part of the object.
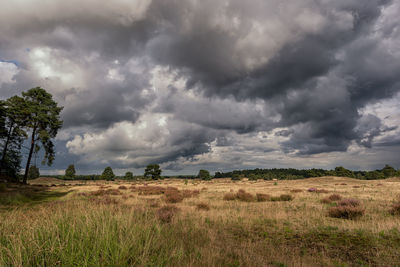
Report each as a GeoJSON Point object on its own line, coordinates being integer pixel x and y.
{"type": "Point", "coordinates": [33, 172]}
{"type": "Point", "coordinates": [204, 175]}
{"type": "Point", "coordinates": [108, 174]}
{"type": "Point", "coordinates": [126, 223]}
{"type": "Point", "coordinates": [70, 172]}
{"type": "Point", "coordinates": [154, 171]}
{"type": "Point", "coordinates": [128, 176]}
{"type": "Point", "coordinates": [293, 174]}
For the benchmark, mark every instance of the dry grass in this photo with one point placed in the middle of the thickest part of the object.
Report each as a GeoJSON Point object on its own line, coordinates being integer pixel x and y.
{"type": "Point", "coordinates": [333, 197]}
{"type": "Point", "coordinates": [135, 228]}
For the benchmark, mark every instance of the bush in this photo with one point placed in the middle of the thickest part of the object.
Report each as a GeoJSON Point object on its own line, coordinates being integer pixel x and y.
{"type": "Point", "coordinates": [244, 196]}
{"type": "Point", "coordinates": [252, 177]}
{"type": "Point", "coordinates": [346, 212]}
{"type": "Point", "coordinates": [395, 210]}
{"type": "Point", "coordinates": [230, 196]}
{"type": "Point", "coordinates": [166, 213]}
{"type": "Point", "coordinates": [235, 177]}
{"type": "Point", "coordinates": [108, 174]}
{"type": "Point", "coordinates": [173, 196]}
{"type": "Point", "coordinates": [262, 197]}
{"type": "Point", "coordinates": [296, 190]}
{"type": "Point", "coordinates": [122, 187]}
{"type": "Point", "coordinates": [347, 209]}
{"type": "Point", "coordinates": [333, 197]}
{"type": "Point", "coordinates": [283, 197]}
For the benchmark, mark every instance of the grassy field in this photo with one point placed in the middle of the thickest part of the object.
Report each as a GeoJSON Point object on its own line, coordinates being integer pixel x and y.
{"type": "Point", "coordinates": [198, 223]}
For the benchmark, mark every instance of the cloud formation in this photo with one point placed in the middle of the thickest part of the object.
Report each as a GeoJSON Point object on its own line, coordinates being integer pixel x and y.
{"type": "Point", "coordinates": [188, 83]}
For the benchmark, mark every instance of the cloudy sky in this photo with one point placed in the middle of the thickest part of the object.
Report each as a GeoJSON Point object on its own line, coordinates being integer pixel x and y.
{"type": "Point", "coordinates": [221, 85]}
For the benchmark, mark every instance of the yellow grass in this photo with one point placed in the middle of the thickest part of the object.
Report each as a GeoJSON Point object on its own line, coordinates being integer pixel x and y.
{"type": "Point", "coordinates": [236, 232]}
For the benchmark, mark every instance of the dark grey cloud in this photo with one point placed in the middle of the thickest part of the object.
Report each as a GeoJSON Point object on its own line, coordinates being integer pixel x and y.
{"type": "Point", "coordinates": [169, 81]}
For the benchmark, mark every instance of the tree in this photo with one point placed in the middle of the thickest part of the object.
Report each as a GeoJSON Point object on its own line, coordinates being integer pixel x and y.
{"type": "Point", "coordinates": [153, 170]}
{"type": "Point", "coordinates": [388, 171]}
{"type": "Point", "coordinates": [13, 116]}
{"type": "Point", "coordinates": [204, 175]}
{"type": "Point", "coordinates": [128, 176]}
{"type": "Point", "coordinates": [235, 177]}
{"type": "Point", "coordinates": [70, 171]}
{"type": "Point", "coordinates": [43, 121]}
{"type": "Point", "coordinates": [33, 172]}
{"type": "Point", "coordinates": [108, 174]}
{"type": "Point", "coordinates": [252, 177]}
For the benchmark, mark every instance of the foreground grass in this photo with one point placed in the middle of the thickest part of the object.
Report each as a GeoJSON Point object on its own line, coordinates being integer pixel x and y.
{"type": "Point", "coordinates": [94, 231]}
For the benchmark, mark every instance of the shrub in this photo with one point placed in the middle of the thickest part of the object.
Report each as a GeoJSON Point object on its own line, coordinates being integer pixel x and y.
{"type": "Point", "coordinates": [166, 213]}
{"type": "Point", "coordinates": [395, 210]}
{"type": "Point", "coordinates": [347, 209]}
{"type": "Point", "coordinates": [333, 197]}
{"type": "Point", "coordinates": [312, 189]}
{"type": "Point", "coordinates": [173, 196]}
{"type": "Point", "coordinates": [203, 206]}
{"type": "Point", "coordinates": [283, 197]}
{"type": "Point", "coordinates": [122, 187]}
{"type": "Point", "coordinates": [244, 196]}
{"type": "Point", "coordinates": [235, 177]}
{"type": "Point", "coordinates": [262, 197]}
{"type": "Point", "coordinates": [229, 196]}
{"type": "Point", "coordinates": [346, 212]}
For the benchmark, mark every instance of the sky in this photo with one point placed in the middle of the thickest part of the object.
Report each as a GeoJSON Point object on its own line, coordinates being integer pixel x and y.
{"type": "Point", "coordinates": [217, 85]}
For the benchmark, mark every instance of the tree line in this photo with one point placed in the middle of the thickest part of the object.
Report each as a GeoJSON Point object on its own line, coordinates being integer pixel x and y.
{"type": "Point", "coordinates": [28, 123]}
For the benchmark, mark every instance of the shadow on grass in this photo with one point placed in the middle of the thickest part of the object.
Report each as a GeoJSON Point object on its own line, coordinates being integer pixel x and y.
{"type": "Point", "coordinates": [16, 195]}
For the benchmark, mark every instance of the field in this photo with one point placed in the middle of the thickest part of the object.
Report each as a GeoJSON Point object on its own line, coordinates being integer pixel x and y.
{"type": "Point", "coordinates": [198, 223]}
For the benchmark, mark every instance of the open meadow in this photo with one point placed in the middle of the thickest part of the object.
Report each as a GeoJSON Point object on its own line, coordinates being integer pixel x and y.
{"type": "Point", "coordinates": [327, 221]}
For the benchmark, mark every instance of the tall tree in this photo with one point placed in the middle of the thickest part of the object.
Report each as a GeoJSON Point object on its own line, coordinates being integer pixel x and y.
{"type": "Point", "coordinates": [43, 122]}
{"type": "Point", "coordinates": [153, 170]}
{"type": "Point", "coordinates": [108, 174]}
{"type": "Point", "coordinates": [12, 121]}
{"type": "Point", "coordinates": [70, 171]}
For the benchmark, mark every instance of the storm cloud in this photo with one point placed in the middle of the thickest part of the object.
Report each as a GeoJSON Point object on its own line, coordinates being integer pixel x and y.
{"type": "Point", "coordinates": [219, 84]}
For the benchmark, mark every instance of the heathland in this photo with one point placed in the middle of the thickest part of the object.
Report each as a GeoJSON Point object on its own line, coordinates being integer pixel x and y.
{"type": "Point", "coordinates": [325, 221]}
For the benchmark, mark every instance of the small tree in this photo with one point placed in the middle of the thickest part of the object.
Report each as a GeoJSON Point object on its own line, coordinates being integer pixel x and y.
{"type": "Point", "coordinates": [33, 172]}
{"type": "Point", "coordinates": [235, 177]}
{"type": "Point", "coordinates": [108, 174]}
{"type": "Point", "coordinates": [153, 170]}
{"type": "Point", "coordinates": [70, 171]}
{"type": "Point", "coordinates": [388, 171]}
{"type": "Point", "coordinates": [204, 175]}
{"type": "Point", "coordinates": [252, 177]}
{"type": "Point", "coordinates": [129, 176]}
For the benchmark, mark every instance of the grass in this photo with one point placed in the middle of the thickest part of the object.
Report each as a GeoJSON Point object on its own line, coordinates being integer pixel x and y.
{"type": "Point", "coordinates": [132, 228]}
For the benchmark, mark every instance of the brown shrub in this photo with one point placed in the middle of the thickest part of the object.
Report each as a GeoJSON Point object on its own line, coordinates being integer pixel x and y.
{"type": "Point", "coordinates": [346, 212]}
{"type": "Point", "coordinates": [262, 197]}
{"type": "Point", "coordinates": [356, 186]}
{"type": "Point", "coordinates": [122, 187]}
{"type": "Point", "coordinates": [333, 197]}
{"type": "Point", "coordinates": [190, 193]}
{"type": "Point", "coordinates": [296, 190]}
{"type": "Point", "coordinates": [166, 213]}
{"type": "Point", "coordinates": [395, 210]}
{"type": "Point", "coordinates": [321, 191]}
{"type": "Point", "coordinates": [173, 196]}
{"type": "Point", "coordinates": [107, 200]}
{"type": "Point", "coordinates": [343, 184]}
{"type": "Point", "coordinates": [349, 202]}
{"type": "Point", "coordinates": [244, 196]}
{"type": "Point", "coordinates": [102, 192]}
{"type": "Point", "coordinates": [229, 196]}
{"type": "Point", "coordinates": [283, 197]}
{"type": "Point", "coordinates": [203, 206]}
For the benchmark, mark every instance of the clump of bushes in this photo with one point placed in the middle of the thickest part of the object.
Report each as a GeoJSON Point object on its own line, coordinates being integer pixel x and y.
{"type": "Point", "coordinates": [244, 196]}
{"type": "Point", "coordinates": [122, 187]}
{"type": "Point", "coordinates": [173, 196]}
{"type": "Point", "coordinates": [102, 192]}
{"type": "Point", "coordinates": [333, 197]}
{"type": "Point", "coordinates": [262, 197]}
{"type": "Point", "coordinates": [166, 213]}
{"type": "Point", "coordinates": [284, 197]}
{"type": "Point", "coordinates": [319, 191]}
{"type": "Point", "coordinates": [230, 196]}
{"type": "Point", "coordinates": [347, 209]}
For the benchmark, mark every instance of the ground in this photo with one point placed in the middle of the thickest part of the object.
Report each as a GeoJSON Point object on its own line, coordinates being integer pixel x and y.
{"type": "Point", "coordinates": [188, 223]}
